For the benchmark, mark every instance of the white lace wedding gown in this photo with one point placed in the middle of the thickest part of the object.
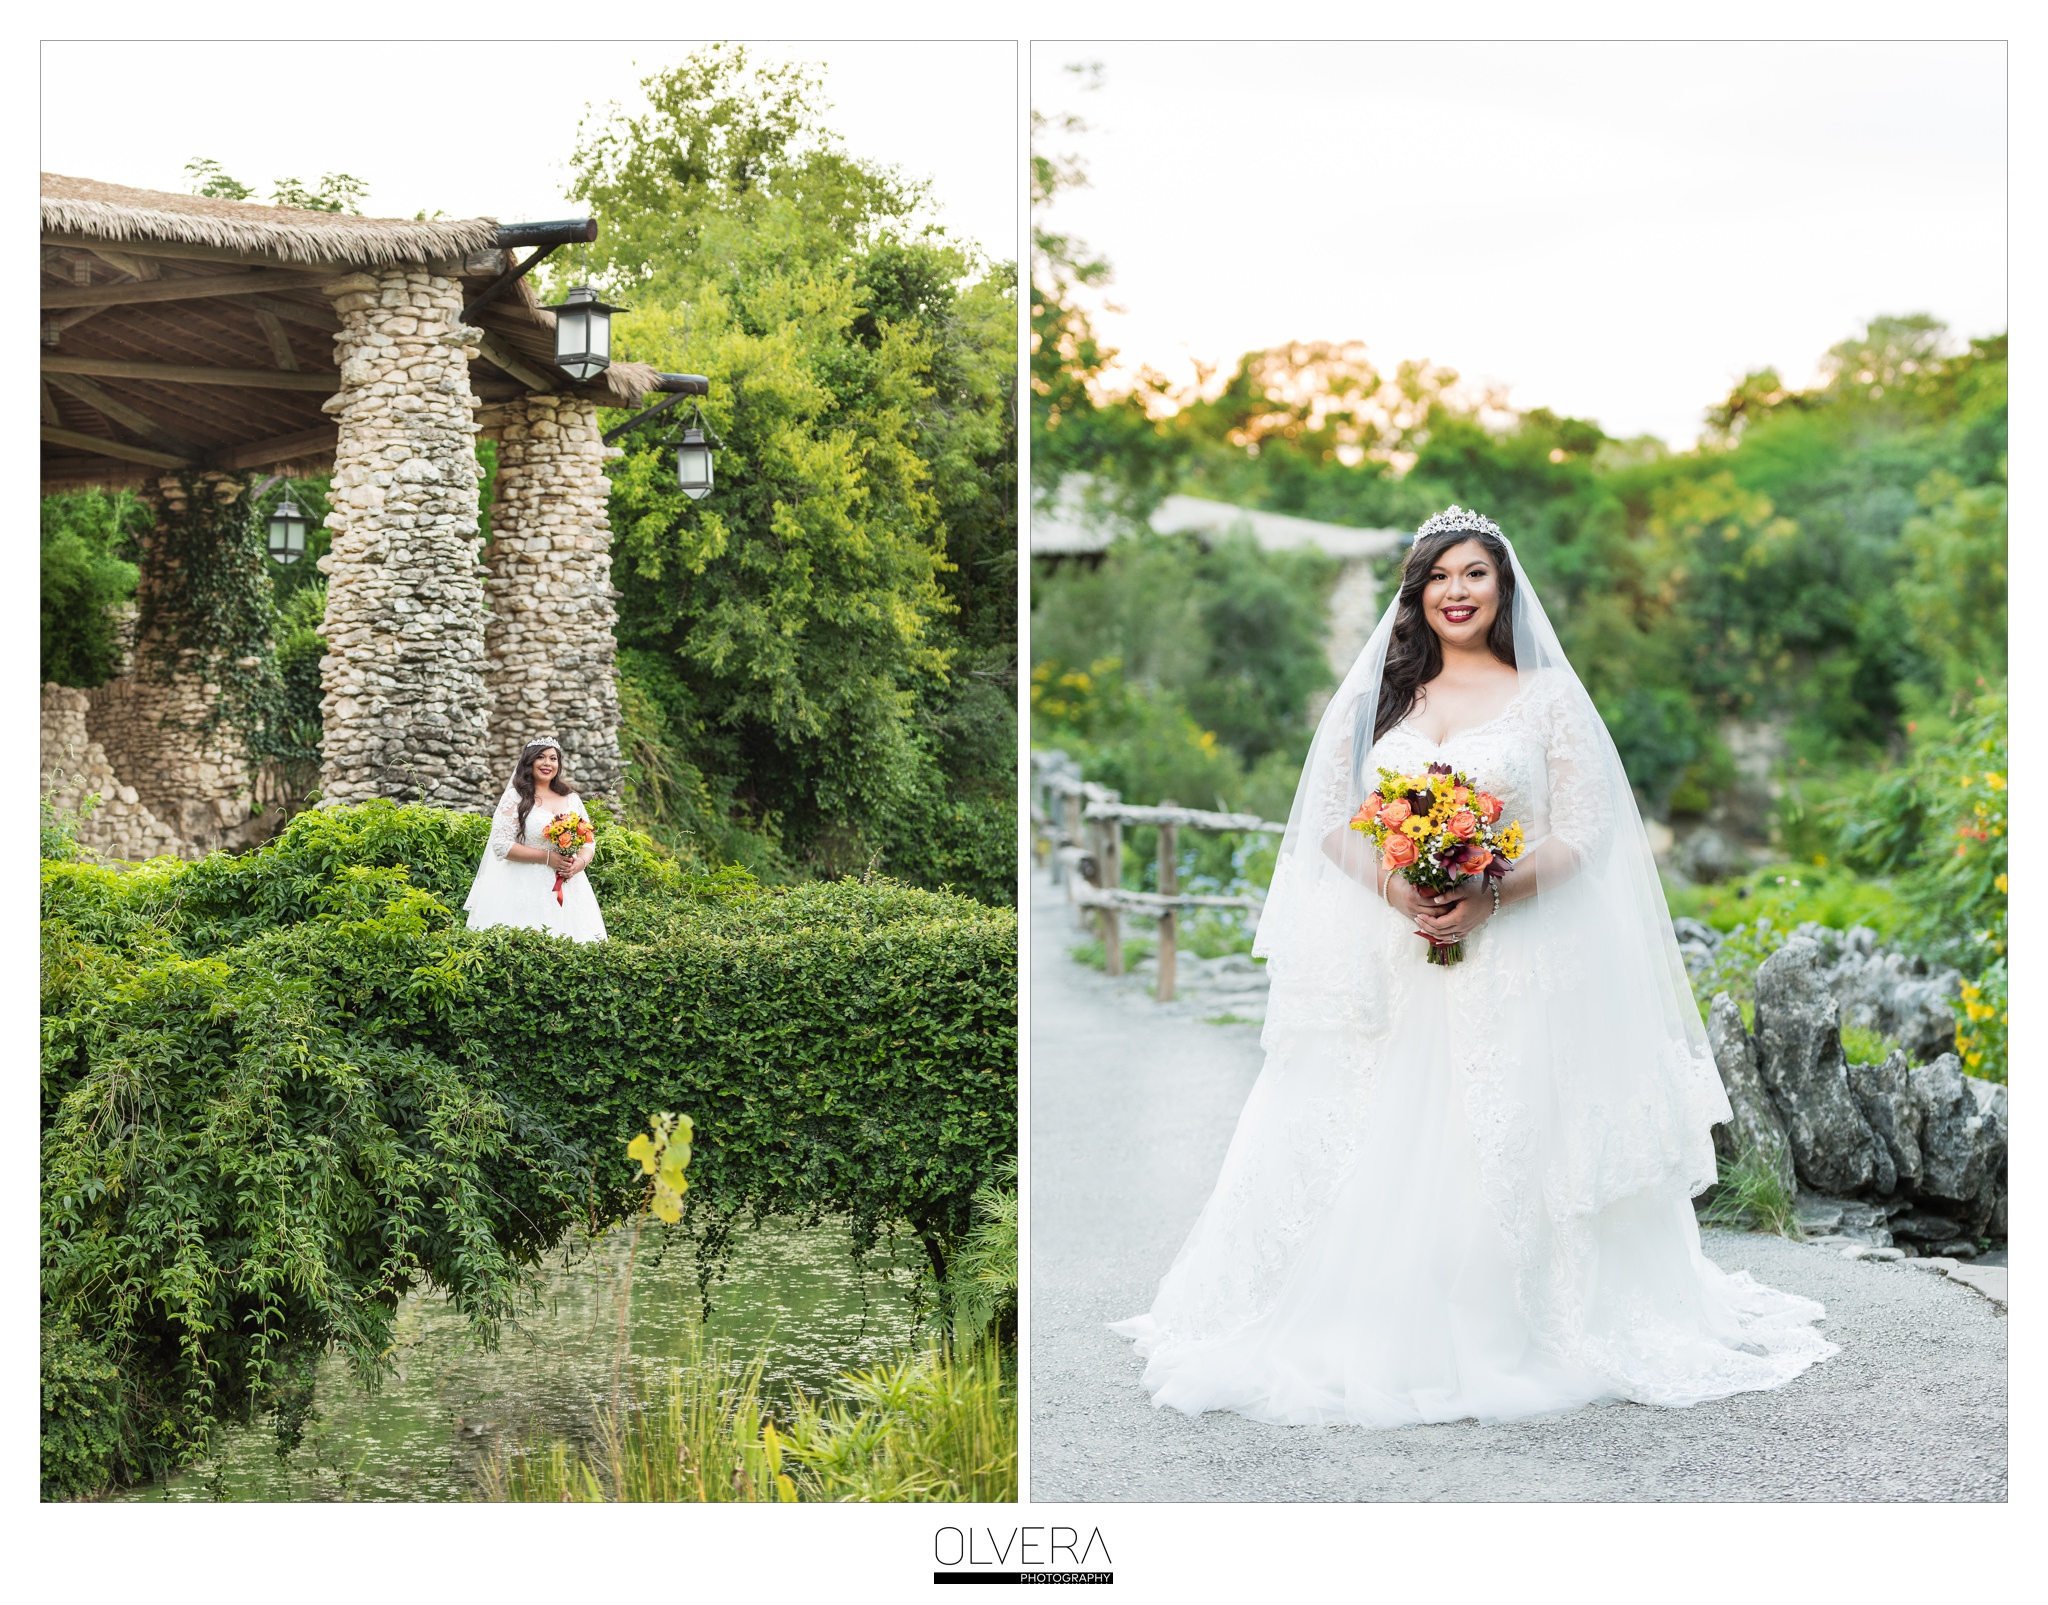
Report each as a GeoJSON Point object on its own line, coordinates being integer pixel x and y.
{"type": "Point", "coordinates": [1465, 1191]}
{"type": "Point", "coordinates": [509, 892]}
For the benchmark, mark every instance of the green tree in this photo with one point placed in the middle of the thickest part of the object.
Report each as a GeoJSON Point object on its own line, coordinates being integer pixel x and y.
{"type": "Point", "coordinates": [836, 622]}
{"type": "Point", "coordinates": [88, 581]}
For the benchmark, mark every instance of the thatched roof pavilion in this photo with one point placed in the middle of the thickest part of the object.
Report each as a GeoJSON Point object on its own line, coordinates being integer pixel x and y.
{"type": "Point", "coordinates": [186, 331]}
{"type": "Point", "coordinates": [189, 344]}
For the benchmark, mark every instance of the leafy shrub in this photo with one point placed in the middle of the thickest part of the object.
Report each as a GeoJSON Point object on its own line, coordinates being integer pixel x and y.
{"type": "Point", "coordinates": [280, 1089]}
{"type": "Point", "coordinates": [85, 1420]}
{"type": "Point", "coordinates": [88, 576]}
{"type": "Point", "coordinates": [1980, 1034]}
{"type": "Point", "coordinates": [982, 1279]}
{"type": "Point", "coordinates": [60, 828]}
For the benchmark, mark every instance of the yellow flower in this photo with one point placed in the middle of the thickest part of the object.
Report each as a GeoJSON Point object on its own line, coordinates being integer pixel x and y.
{"type": "Point", "coordinates": [2000, 884]}
{"type": "Point", "coordinates": [1415, 827]}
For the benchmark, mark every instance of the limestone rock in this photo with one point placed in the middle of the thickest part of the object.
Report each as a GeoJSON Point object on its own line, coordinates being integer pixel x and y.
{"type": "Point", "coordinates": [1799, 1043]}
{"type": "Point", "coordinates": [1884, 1092]}
{"type": "Point", "coordinates": [1963, 1140]}
{"type": "Point", "coordinates": [1756, 1126]}
{"type": "Point", "coordinates": [1896, 995]}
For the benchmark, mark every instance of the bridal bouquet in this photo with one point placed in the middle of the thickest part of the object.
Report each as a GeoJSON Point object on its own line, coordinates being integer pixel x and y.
{"type": "Point", "coordinates": [1436, 829]}
{"type": "Point", "coordinates": [568, 834]}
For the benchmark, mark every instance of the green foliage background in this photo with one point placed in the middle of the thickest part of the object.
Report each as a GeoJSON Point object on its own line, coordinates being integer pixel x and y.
{"type": "Point", "coordinates": [280, 1089]}
{"type": "Point", "coordinates": [1827, 562]}
{"type": "Point", "coordinates": [820, 658]}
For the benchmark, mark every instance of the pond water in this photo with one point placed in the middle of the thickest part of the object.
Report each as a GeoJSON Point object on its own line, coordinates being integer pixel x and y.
{"type": "Point", "coordinates": [426, 1431]}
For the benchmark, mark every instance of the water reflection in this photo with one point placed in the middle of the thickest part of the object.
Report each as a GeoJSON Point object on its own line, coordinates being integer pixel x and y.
{"type": "Point", "coordinates": [423, 1434]}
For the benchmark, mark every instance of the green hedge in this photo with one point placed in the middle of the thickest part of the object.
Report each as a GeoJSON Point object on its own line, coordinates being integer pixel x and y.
{"type": "Point", "coordinates": [280, 1089]}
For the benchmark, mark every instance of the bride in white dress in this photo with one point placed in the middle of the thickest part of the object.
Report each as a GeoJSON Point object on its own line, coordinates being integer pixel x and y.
{"type": "Point", "coordinates": [515, 882]}
{"type": "Point", "coordinates": [1465, 1191]}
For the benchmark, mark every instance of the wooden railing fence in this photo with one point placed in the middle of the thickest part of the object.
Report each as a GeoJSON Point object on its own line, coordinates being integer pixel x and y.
{"type": "Point", "coordinates": [1081, 826]}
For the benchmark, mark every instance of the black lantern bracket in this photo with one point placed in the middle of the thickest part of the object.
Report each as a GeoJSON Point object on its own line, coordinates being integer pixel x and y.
{"type": "Point", "coordinates": [545, 238]}
{"type": "Point", "coordinates": [685, 387]}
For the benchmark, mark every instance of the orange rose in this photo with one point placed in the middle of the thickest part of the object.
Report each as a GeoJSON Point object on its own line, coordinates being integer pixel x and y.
{"type": "Point", "coordinates": [1368, 810]}
{"type": "Point", "coordinates": [1399, 852]}
{"type": "Point", "coordinates": [1395, 811]}
{"type": "Point", "coordinates": [1462, 824]}
{"type": "Point", "coordinates": [1489, 807]}
{"type": "Point", "coordinates": [1461, 795]}
{"type": "Point", "coordinates": [1472, 860]}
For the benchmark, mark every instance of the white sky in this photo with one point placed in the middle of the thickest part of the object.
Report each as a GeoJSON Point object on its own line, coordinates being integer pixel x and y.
{"type": "Point", "coordinates": [486, 127]}
{"type": "Point", "coordinates": [1613, 230]}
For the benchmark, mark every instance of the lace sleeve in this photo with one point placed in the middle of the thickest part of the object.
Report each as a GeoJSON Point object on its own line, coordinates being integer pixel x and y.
{"type": "Point", "coordinates": [1581, 812]}
{"type": "Point", "coordinates": [504, 826]}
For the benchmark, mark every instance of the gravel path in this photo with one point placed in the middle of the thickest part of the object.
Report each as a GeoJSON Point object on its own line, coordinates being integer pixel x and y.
{"type": "Point", "coordinates": [1913, 1408]}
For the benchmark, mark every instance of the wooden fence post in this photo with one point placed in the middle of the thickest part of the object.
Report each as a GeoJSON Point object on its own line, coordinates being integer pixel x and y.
{"type": "Point", "coordinates": [1070, 814]}
{"type": "Point", "coordinates": [1113, 880]}
{"type": "Point", "coordinates": [1169, 920]}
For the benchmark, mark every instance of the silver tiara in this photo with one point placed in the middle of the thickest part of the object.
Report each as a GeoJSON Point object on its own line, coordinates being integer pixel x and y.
{"type": "Point", "coordinates": [1455, 517]}
{"type": "Point", "coordinates": [542, 741]}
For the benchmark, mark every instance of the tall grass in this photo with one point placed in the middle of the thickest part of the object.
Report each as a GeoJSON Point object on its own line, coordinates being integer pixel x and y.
{"type": "Point", "coordinates": [1752, 1197]}
{"type": "Point", "coordinates": [932, 1425]}
{"type": "Point", "coordinates": [936, 1426]}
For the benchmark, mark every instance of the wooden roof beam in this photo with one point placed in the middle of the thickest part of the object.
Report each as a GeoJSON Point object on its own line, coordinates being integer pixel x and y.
{"type": "Point", "coordinates": [298, 312]}
{"type": "Point", "coordinates": [117, 449]}
{"type": "Point", "coordinates": [280, 343]}
{"type": "Point", "coordinates": [496, 352]}
{"type": "Point", "coordinates": [315, 442]}
{"type": "Point", "coordinates": [136, 267]}
{"type": "Point", "coordinates": [121, 413]}
{"type": "Point", "coordinates": [187, 289]}
{"type": "Point", "coordinates": [178, 373]}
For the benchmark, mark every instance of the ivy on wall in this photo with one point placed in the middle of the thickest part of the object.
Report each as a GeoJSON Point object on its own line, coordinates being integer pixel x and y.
{"type": "Point", "coordinates": [208, 601]}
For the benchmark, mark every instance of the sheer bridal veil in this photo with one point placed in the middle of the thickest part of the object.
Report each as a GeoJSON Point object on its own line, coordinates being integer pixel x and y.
{"type": "Point", "coordinates": [1599, 930]}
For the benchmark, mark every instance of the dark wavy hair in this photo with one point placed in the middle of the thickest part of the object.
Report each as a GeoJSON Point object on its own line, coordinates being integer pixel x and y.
{"type": "Point", "coordinates": [1415, 656]}
{"type": "Point", "coordinates": [523, 781]}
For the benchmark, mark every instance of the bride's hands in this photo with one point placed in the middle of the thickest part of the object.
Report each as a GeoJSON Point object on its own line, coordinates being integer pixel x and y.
{"type": "Point", "coordinates": [1441, 916]}
{"type": "Point", "coordinates": [1454, 915]}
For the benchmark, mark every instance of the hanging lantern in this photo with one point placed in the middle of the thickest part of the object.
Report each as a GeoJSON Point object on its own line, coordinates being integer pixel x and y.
{"type": "Point", "coordinates": [287, 532]}
{"type": "Point", "coordinates": [693, 458]}
{"type": "Point", "coordinates": [583, 334]}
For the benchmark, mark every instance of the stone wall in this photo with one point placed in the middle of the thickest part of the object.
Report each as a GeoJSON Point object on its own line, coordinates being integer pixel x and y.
{"type": "Point", "coordinates": [75, 767]}
{"type": "Point", "coordinates": [405, 705]}
{"type": "Point", "coordinates": [158, 724]}
{"type": "Point", "coordinates": [548, 637]}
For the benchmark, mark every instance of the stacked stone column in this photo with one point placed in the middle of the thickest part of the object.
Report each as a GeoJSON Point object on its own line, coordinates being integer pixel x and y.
{"type": "Point", "coordinates": [159, 722]}
{"type": "Point", "coordinates": [548, 639]}
{"type": "Point", "coordinates": [405, 705]}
